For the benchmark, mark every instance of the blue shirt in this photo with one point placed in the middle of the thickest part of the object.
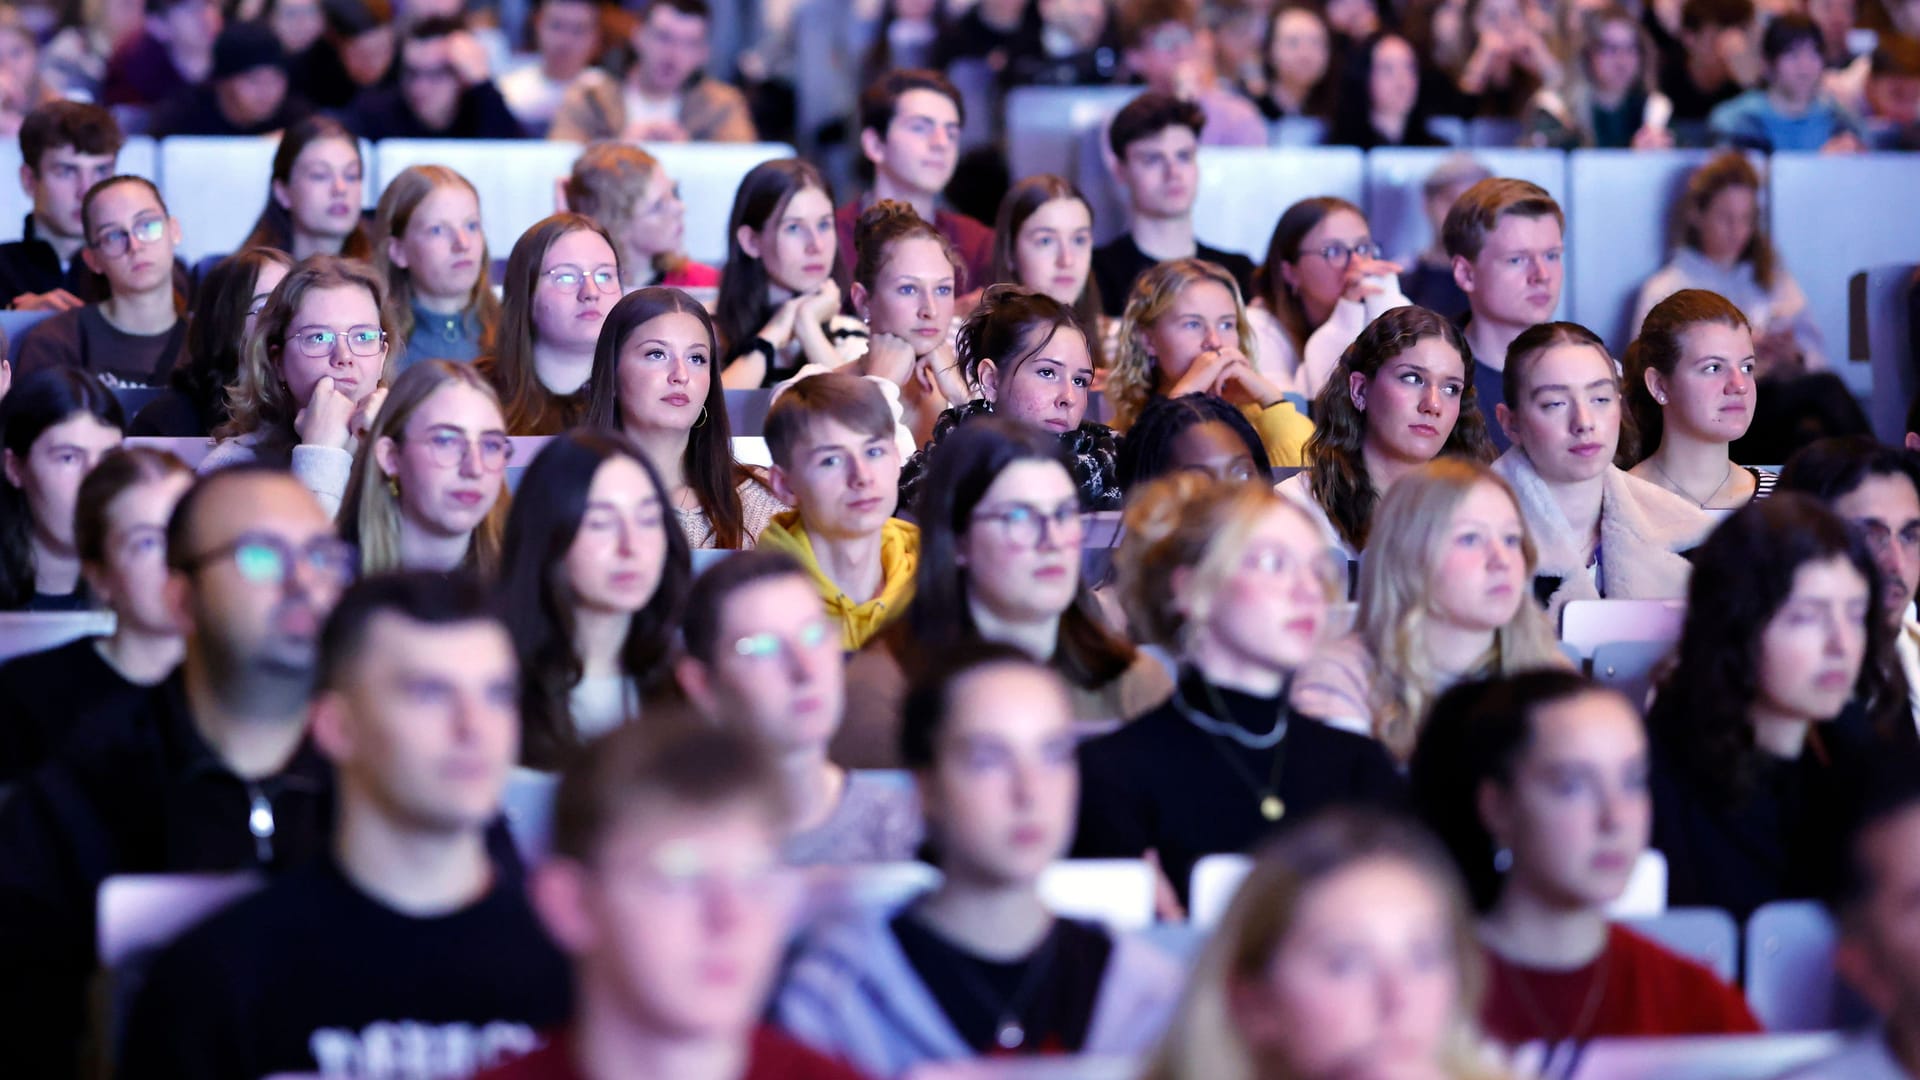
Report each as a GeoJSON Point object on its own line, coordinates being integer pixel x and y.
{"type": "Point", "coordinates": [1752, 122]}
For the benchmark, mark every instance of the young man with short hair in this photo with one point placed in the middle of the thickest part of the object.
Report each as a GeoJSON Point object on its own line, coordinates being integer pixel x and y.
{"type": "Point", "coordinates": [836, 463]}
{"type": "Point", "coordinates": [910, 133]}
{"type": "Point", "coordinates": [412, 942]}
{"type": "Point", "coordinates": [667, 95]}
{"type": "Point", "coordinates": [1506, 238]}
{"type": "Point", "coordinates": [443, 90]}
{"type": "Point", "coordinates": [1713, 60]}
{"type": "Point", "coordinates": [247, 93]}
{"type": "Point", "coordinates": [1155, 141]}
{"type": "Point", "coordinates": [665, 886]}
{"type": "Point", "coordinates": [1792, 111]}
{"type": "Point", "coordinates": [1167, 44]}
{"type": "Point", "coordinates": [172, 51]}
{"type": "Point", "coordinates": [65, 148]}
{"type": "Point", "coordinates": [137, 335]}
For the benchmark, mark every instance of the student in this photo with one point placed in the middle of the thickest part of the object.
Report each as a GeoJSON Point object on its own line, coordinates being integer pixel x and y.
{"type": "Point", "coordinates": [1601, 532]}
{"type": "Point", "coordinates": [665, 889]}
{"type": "Point", "coordinates": [431, 250]}
{"type": "Point", "coordinates": [119, 535]}
{"type": "Point", "coordinates": [66, 147]}
{"type": "Point", "coordinates": [246, 93]}
{"type": "Point", "coordinates": [231, 296]}
{"type": "Point", "coordinates": [174, 51]}
{"type": "Point", "coordinates": [1428, 279]}
{"type": "Point", "coordinates": [137, 335]}
{"type": "Point", "coordinates": [1891, 96]}
{"type": "Point", "coordinates": [355, 52]}
{"type": "Point", "coordinates": [1030, 356]}
{"type": "Point", "coordinates": [313, 203]}
{"type": "Point", "coordinates": [1155, 141]}
{"type": "Point", "coordinates": [1399, 399]}
{"type": "Point", "coordinates": [1443, 597]}
{"type": "Point", "coordinates": [312, 379]}
{"type": "Point", "coordinates": [667, 95]}
{"type": "Point", "coordinates": [593, 579]}
{"type": "Point", "coordinates": [55, 427]}
{"type": "Point", "coordinates": [1186, 332]}
{"type": "Point", "coordinates": [211, 770]}
{"type": "Point", "coordinates": [1322, 283]}
{"type": "Point", "coordinates": [1299, 60]}
{"type": "Point", "coordinates": [1235, 582]}
{"type": "Point", "coordinates": [1537, 782]}
{"type": "Point", "coordinates": [1876, 489]}
{"type": "Point", "coordinates": [1690, 387]}
{"type": "Point", "coordinates": [1166, 45]}
{"type": "Point", "coordinates": [910, 135]}
{"type": "Point", "coordinates": [1379, 103]}
{"type": "Point", "coordinates": [653, 379]}
{"type": "Point", "coordinates": [1348, 950]}
{"type": "Point", "coordinates": [779, 306]}
{"type": "Point", "coordinates": [1791, 111]}
{"type": "Point", "coordinates": [1043, 239]}
{"type": "Point", "coordinates": [1717, 57]}
{"type": "Point", "coordinates": [630, 194]}
{"type": "Point", "coordinates": [762, 653]}
{"type": "Point", "coordinates": [566, 42]}
{"type": "Point", "coordinates": [1197, 433]}
{"type": "Point", "coordinates": [836, 463]}
{"type": "Point", "coordinates": [1505, 238]}
{"type": "Point", "coordinates": [414, 707]}
{"type": "Point", "coordinates": [443, 90]}
{"type": "Point", "coordinates": [1067, 44]}
{"type": "Point", "coordinates": [1505, 59]}
{"type": "Point", "coordinates": [979, 965]}
{"type": "Point", "coordinates": [429, 485]}
{"type": "Point", "coordinates": [905, 278]}
{"type": "Point", "coordinates": [1719, 243]}
{"type": "Point", "coordinates": [1783, 683]}
{"type": "Point", "coordinates": [1611, 100]}
{"type": "Point", "coordinates": [563, 276]}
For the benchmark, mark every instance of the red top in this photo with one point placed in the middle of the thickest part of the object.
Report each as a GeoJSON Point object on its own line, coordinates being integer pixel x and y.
{"type": "Point", "coordinates": [692, 275]}
{"type": "Point", "coordinates": [775, 1057]}
{"type": "Point", "coordinates": [1649, 991]}
{"type": "Point", "coordinates": [972, 241]}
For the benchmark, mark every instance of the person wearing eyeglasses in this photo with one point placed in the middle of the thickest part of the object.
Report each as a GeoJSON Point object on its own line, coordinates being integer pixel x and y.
{"type": "Point", "coordinates": [312, 378]}
{"type": "Point", "coordinates": [443, 90]}
{"type": "Point", "coordinates": [631, 194]}
{"type": "Point", "coordinates": [429, 486]}
{"type": "Point", "coordinates": [762, 654]}
{"type": "Point", "coordinates": [563, 277]}
{"type": "Point", "coordinates": [211, 770]}
{"type": "Point", "coordinates": [137, 334]}
{"type": "Point", "coordinates": [1324, 281]}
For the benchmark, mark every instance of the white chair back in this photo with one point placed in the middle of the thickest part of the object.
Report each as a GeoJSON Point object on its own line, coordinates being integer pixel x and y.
{"type": "Point", "coordinates": [23, 632]}
{"type": "Point", "coordinates": [1587, 624]}
{"type": "Point", "coordinates": [1705, 935]}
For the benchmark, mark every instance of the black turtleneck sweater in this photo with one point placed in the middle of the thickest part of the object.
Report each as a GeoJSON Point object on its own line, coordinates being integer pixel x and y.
{"type": "Point", "coordinates": [1161, 782]}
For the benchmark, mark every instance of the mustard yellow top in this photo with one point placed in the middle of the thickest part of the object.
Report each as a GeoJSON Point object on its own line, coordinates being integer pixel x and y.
{"type": "Point", "coordinates": [1283, 431]}
{"type": "Point", "coordinates": [899, 560]}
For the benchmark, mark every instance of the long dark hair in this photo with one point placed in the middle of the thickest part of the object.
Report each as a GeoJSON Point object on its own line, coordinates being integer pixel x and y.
{"type": "Point", "coordinates": [532, 409]}
{"type": "Point", "coordinates": [274, 229]}
{"type": "Point", "coordinates": [537, 601]}
{"type": "Point", "coordinates": [1339, 477]}
{"type": "Point", "coordinates": [37, 402]}
{"type": "Point", "coordinates": [1659, 347]}
{"type": "Point", "coordinates": [962, 467]}
{"type": "Point", "coordinates": [1742, 575]}
{"type": "Point", "coordinates": [1147, 451]}
{"type": "Point", "coordinates": [1011, 325]}
{"type": "Point", "coordinates": [1284, 247]}
{"type": "Point", "coordinates": [1353, 109]}
{"type": "Point", "coordinates": [744, 306]}
{"type": "Point", "coordinates": [215, 341]}
{"type": "Point", "coordinates": [1021, 200]}
{"type": "Point", "coordinates": [710, 469]}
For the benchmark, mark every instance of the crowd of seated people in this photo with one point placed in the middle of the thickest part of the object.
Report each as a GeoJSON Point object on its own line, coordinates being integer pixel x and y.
{"type": "Point", "coordinates": [601, 664]}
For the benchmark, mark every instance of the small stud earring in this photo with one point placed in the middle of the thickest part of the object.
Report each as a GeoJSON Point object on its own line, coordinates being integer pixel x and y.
{"type": "Point", "coordinates": [1661, 398]}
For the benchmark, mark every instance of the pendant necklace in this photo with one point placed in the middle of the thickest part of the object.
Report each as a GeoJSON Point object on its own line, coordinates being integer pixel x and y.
{"type": "Point", "coordinates": [1008, 1032]}
{"type": "Point", "coordinates": [1271, 806]}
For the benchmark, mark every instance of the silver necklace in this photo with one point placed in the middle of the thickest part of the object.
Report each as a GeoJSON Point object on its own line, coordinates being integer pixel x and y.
{"type": "Point", "coordinates": [1701, 503]}
{"type": "Point", "coordinates": [1008, 1032]}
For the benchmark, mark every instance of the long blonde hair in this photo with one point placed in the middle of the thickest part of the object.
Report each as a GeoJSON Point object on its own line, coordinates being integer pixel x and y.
{"type": "Point", "coordinates": [1409, 535]}
{"type": "Point", "coordinates": [370, 517]}
{"type": "Point", "coordinates": [1132, 381]}
{"type": "Point", "coordinates": [1204, 1043]}
{"type": "Point", "coordinates": [403, 196]}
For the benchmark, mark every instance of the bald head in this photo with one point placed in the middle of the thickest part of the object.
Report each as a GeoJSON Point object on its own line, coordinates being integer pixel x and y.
{"type": "Point", "coordinates": [224, 504]}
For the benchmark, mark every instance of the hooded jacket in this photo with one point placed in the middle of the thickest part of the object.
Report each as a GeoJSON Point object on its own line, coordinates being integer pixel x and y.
{"type": "Point", "coordinates": [859, 621]}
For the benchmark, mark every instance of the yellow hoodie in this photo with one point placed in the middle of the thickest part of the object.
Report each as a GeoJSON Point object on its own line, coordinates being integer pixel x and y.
{"type": "Point", "coordinates": [899, 561]}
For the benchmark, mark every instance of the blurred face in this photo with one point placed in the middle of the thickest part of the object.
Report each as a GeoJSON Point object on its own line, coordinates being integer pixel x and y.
{"type": "Point", "coordinates": [1578, 813]}
{"type": "Point", "coordinates": [1710, 394]}
{"type": "Point", "coordinates": [133, 578]}
{"type": "Point", "coordinates": [1080, 20]}
{"type": "Point", "coordinates": [1203, 318]}
{"type": "Point", "coordinates": [323, 192]}
{"type": "Point", "coordinates": [1886, 948]}
{"type": "Point", "coordinates": [1725, 227]}
{"type": "Point", "coordinates": [368, 56]}
{"type": "Point", "coordinates": [49, 476]}
{"type": "Point", "coordinates": [131, 239]}
{"type": "Point", "coordinates": [252, 97]}
{"type": "Point", "coordinates": [1317, 277]}
{"type": "Point", "coordinates": [671, 47]}
{"type": "Point", "coordinates": [1299, 48]}
{"type": "Point", "coordinates": [341, 311]}
{"type": "Point", "coordinates": [777, 665]}
{"type": "Point", "coordinates": [920, 149]}
{"type": "Point", "coordinates": [913, 295]}
{"type": "Point", "coordinates": [1003, 788]}
{"type": "Point", "coordinates": [797, 246]}
{"type": "Point", "coordinates": [1164, 52]}
{"type": "Point", "coordinates": [1796, 74]}
{"type": "Point", "coordinates": [59, 185]}
{"type": "Point", "coordinates": [245, 619]}
{"type": "Point", "coordinates": [1394, 81]}
{"type": "Point", "coordinates": [845, 483]}
{"type": "Point", "coordinates": [1022, 547]}
{"type": "Point", "coordinates": [616, 560]}
{"type": "Point", "coordinates": [188, 26]}
{"type": "Point", "coordinates": [1049, 389]}
{"type": "Point", "coordinates": [1810, 651]}
{"type": "Point", "coordinates": [1216, 450]}
{"type": "Point", "coordinates": [1886, 510]}
{"type": "Point", "coordinates": [666, 371]}
{"type": "Point", "coordinates": [1894, 98]}
{"type": "Point", "coordinates": [1355, 19]}
{"type": "Point", "coordinates": [1269, 612]}
{"type": "Point", "coordinates": [1613, 58]}
{"type": "Point", "coordinates": [429, 81]}
{"type": "Point", "coordinates": [1413, 401]}
{"type": "Point", "coordinates": [450, 461]}
{"type": "Point", "coordinates": [19, 57]}
{"type": "Point", "coordinates": [569, 316]}
{"type": "Point", "coordinates": [658, 225]}
{"type": "Point", "coordinates": [1478, 579]}
{"type": "Point", "coordinates": [1053, 251]}
{"type": "Point", "coordinates": [265, 281]}
{"type": "Point", "coordinates": [427, 726]}
{"type": "Point", "coordinates": [1162, 173]}
{"type": "Point", "coordinates": [441, 247]}
{"type": "Point", "coordinates": [1439, 202]}
{"type": "Point", "coordinates": [1365, 982]}
{"type": "Point", "coordinates": [298, 24]}
{"type": "Point", "coordinates": [567, 33]}
{"type": "Point", "coordinates": [1516, 280]}
{"type": "Point", "coordinates": [1568, 416]}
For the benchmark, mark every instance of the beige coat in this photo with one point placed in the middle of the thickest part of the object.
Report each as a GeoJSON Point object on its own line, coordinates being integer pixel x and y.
{"type": "Point", "coordinates": [595, 107]}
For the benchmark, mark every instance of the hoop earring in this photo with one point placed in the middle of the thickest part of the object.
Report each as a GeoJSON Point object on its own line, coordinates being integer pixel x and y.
{"type": "Point", "coordinates": [703, 417]}
{"type": "Point", "coordinates": [1503, 860]}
